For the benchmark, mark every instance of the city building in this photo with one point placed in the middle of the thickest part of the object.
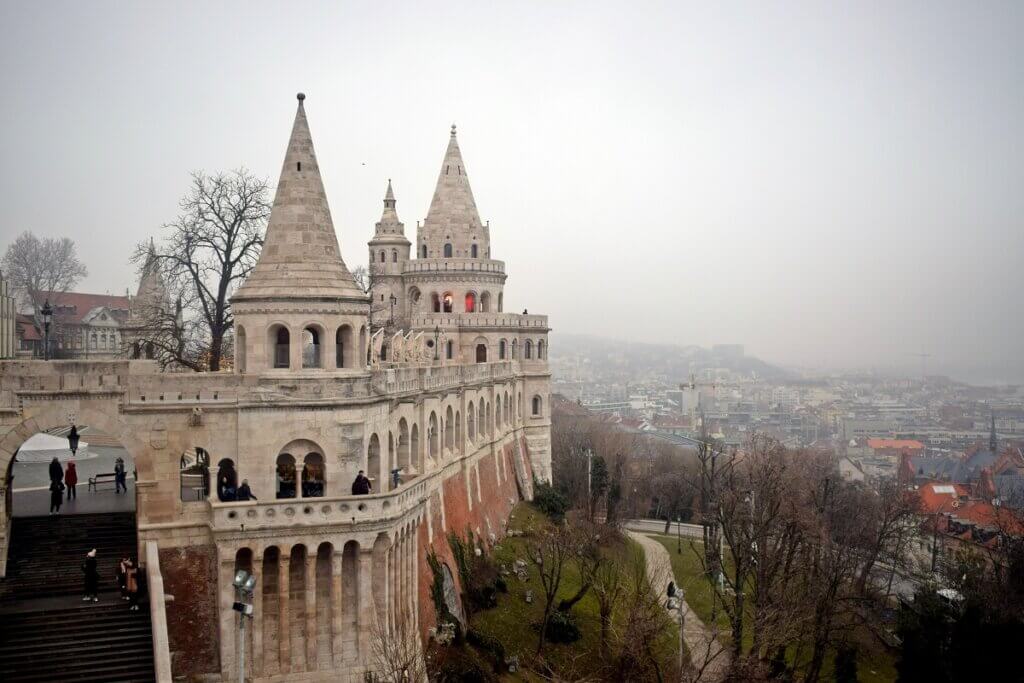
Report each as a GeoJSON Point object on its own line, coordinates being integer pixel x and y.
{"type": "Point", "coordinates": [8, 321]}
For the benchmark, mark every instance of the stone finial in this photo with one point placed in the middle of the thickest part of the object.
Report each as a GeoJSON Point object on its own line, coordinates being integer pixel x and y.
{"type": "Point", "coordinates": [453, 129]}
{"type": "Point", "coordinates": [300, 96]}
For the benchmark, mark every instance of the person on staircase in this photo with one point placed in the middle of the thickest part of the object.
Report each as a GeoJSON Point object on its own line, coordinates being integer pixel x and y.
{"type": "Point", "coordinates": [132, 581]}
{"type": "Point", "coordinates": [122, 577]}
{"type": "Point", "coordinates": [92, 577]}
{"type": "Point", "coordinates": [71, 480]}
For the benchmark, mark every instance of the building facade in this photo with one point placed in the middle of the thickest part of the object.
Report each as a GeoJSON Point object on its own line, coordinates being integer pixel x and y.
{"type": "Point", "coordinates": [8, 322]}
{"type": "Point", "coordinates": [316, 394]}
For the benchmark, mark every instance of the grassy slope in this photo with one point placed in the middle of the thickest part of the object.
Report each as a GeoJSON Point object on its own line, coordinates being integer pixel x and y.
{"type": "Point", "coordinates": [511, 621]}
{"type": "Point", "coordinates": [874, 666]}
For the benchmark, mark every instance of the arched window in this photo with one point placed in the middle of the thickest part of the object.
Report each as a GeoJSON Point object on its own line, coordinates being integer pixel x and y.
{"type": "Point", "coordinates": [281, 344]}
{"type": "Point", "coordinates": [423, 251]}
{"type": "Point", "coordinates": [414, 447]}
{"type": "Point", "coordinates": [403, 445]}
{"type": "Point", "coordinates": [501, 349]}
{"type": "Point", "coordinates": [435, 302]}
{"type": "Point", "coordinates": [136, 350]}
{"type": "Point", "coordinates": [195, 475]}
{"type": "Point", "coordinates": [448, 302]}
{"type": "Point", "coordinates": [382, 257]}
{"type": "Point", "coordinates": [394, 256]}
{"type": "Point", "coordinates": [458, 432]}
{"type": "Point", "coordinates": [480, 415]}
{"type": "Point", "coordinates": [470, 423]}
{"type": "Point", "coordinates": [508, 409]}
{"type": "Point", "coordinates": [240, 349]}
{"type": "Point", "coordinates": [314, 480]}
{"type": "Point", "coordinates": [481, 353]}
{"type": "Point", "coordinates": [414, 299]}
{"type": "Point", "coordinates": [540, 349]}
{"type": "Point", "coordinates": [449, 349]}
{"type": "Point", "coordinates": [473, 251]}
{"type": "Point", "coordinates": [537, 407]}
{"type": "Point", "coordinates": [447, 250]}
{"type": "Point", "coordinates": [433, 437]}
{"type": "Point", "coordinates": [470, 302]}
{"type": "Point", "coordinates": [285, 487]}
{"type": "Point", "coordinates": [150, 351]}
{"type": "Point", "coordinates": [485, 302]}
{"type": "Point", "coordinates": [227, 480]}
{"type": "Point", "coordinates": [528, 350]}
{"type": "Point", "coordinates": [343, 347]}
{"type": "Point", "coordinates": [515, 349]}
{"type": "Point", "coordinates": [501, 302]}
{"type": "Point", "coordinates": [449, 429]}
{"type": "Point", "coordinates": [361, 358]}
{"type": "Point", "coordinates": [310, 348]}
{"type": "Point", "coordinates": [497, 411]}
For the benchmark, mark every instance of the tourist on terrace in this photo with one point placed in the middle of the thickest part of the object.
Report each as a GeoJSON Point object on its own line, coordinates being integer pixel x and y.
{"type": "Point", "coordinates": [56, 471]}
{"type": "Point", "coordinates": [244, 492]}
{"type": "Point", "coordinates": [56, 497]}
{"type": "Point", "coordinates": [92, 577]}
{"type": "Point", "coordinates": [71, 480]}
{"type": "Point", "coordinates": [361, 486]}
{"type": "Point", "coordinates": [120, 476]}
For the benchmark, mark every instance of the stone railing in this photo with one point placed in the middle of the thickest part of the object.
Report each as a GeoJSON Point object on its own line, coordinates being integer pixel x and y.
{"type": "Point", "coordinates": [295, 513]}
{"type": "Point", "coordinates": [158, 615]}
{"type": "Point", "coordinates": [527, 323]}
{"type": "Point", "coordinates": [434, 377]}
{"type": "Point", "coordinates": [441, 265]}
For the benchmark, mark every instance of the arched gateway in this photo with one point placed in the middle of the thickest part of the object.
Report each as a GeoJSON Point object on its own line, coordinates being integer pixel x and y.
{"type": "Point", "coordinates": [328, 564]}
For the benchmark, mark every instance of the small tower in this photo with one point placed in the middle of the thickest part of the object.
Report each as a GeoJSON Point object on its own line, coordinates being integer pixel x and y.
{"type": "Point", "coordinates": [148, 310]}
{"type": "Point", "coordinates": [300, 310]}
{"type": "Point", "coordinates": [389, 254]}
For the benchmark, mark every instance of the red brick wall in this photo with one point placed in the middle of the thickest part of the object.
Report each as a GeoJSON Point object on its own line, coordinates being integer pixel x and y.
{"type": "Point", "coordinates": [459, 517]}
{"type": "Point", "coordinates": [190, 575]}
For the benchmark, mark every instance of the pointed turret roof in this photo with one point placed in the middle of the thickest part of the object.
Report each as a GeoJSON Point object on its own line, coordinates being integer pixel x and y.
{"type": "Point", "coordinates": [300, 257]}
{"type": "Point", "coordinates": [152, 290]}
{"type": "Point", "coordinates": [453, 206]}
{"type": "Point", "coordinates": [389, 224]}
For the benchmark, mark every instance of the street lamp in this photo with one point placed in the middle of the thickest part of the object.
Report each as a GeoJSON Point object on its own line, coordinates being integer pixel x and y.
{"type": "Point", "coordinates": [437, 333]}
{"type": "Point", "coordinates": [47, 319]}
{"type": "Point", "coordinates": [677, 602]}
{"type": "Point", "coordinates": [244, 585]}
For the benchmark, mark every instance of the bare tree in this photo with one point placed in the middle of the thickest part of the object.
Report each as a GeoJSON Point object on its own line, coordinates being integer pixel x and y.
{"type": "Point", "coordinates": [396, 653]}
{"type": "Point", "coordinates": [40, 268]}
{"type": "Point", "coordinates": [362, 277]}
{"type": "Point", "coordinates": [212, 246]}
{"type": "Point", "coordinates": [550, 554]}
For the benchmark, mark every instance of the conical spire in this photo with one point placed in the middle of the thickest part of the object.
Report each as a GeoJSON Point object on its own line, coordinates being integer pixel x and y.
{"type": "Point", "coordinates": [300, 257]}
{"type": "Point", "coordinates": [152, 292]}
{"type": "Point", "coordinates": [389, 223]}
{"type": "Point", "coordinates": [453, 206]}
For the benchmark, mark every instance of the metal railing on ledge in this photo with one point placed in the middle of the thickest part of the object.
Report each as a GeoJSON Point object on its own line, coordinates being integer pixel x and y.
{"type": "Point", "coordinates": [310, 512]}
{"type": "Point", "coordinates": [434, 377]}
{"type": "Point", "coordinates": [432, 265]}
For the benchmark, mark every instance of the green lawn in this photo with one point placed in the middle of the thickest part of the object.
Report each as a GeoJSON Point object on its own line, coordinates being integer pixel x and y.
{"type": "Point", "coordinates": [874, 663]}
{"type": "Point", "coordinates": [511, 622]}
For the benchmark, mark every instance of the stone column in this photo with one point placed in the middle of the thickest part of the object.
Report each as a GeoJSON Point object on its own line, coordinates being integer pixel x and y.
{"type": "Point", "coordinates": [257, 611]}
{"type": "Point", "coordinates": [366, 606]}
{"type": "Point", "coordinates": [337, 643]}
{"type": "Point", "coordinates": [284, 634]}
{"type": "Point", "coordinates": [311, 612]}
{"type": "Point", "coordinates": [226, 597]}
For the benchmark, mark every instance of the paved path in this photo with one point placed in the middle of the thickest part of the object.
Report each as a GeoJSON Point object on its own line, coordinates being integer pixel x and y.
{"type": "Point", "coordinates": [701, 643]}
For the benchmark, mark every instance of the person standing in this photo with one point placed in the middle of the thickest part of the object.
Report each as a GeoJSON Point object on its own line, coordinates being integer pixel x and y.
{"type": "Point", "coordinates": [56, 471]}
{"type": "Point", "coordinates": [244, 492]}
{"type": "Point", "coordinates": [71, 480]}
{"type": "Point", "coordinates": [361, 486]}
{"type": "Point", "coordinates": [120, 476]}
{"type": "Point", "coordinates": [56, 497]}
{"type": "Point", "coordinates": [92, 577]}
{"type": "Point", "coordinates": [132, 582]}
{"type": "Point", "coordinates": [122, 577]}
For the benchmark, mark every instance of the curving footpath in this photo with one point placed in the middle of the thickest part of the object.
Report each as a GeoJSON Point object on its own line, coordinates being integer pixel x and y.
{"type": "Point", "coordinates": [702, 644]}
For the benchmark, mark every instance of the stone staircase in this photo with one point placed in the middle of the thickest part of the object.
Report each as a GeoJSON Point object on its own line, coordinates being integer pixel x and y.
{"type": "Point", "coordinates": [46, 632]}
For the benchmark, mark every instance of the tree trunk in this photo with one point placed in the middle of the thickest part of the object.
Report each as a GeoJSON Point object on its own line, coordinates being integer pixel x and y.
{"type": "Point", "coordinates": [566, 605]}
{"type": "Point", "coordinates": [216, 349]}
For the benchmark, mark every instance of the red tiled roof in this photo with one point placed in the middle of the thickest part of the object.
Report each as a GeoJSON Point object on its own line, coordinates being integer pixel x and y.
{"type": "Point", "coordinates": [71, 307]}
{"type": "Point", "coordinates": [896, 444]}
{"type": "Point", "coordinates": [27, 326]}
{"type": "Point", "coordinates": [940, 497]}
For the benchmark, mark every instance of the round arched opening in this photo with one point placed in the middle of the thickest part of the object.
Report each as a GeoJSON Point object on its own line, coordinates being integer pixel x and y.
{"type": "Point", "coordinates": [285, 487]}
{"type": "Point", "coordinates": [314, 480]}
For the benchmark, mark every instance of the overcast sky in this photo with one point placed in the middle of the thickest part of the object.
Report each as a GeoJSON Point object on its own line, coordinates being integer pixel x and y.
{"type": "Point", "coordinates": [832, 186]}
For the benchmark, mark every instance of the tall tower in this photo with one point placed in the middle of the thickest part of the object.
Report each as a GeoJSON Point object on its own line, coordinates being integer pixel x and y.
{"type": "Point", "coordinates": [389, 253]}
{"type": "Point", "coordinates": [300, 310]}
{"type": "Point", "coordinates": [992, 441]}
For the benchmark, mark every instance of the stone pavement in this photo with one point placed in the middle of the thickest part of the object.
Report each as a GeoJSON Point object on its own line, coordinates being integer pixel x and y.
{"type": "Point", "coordinates": [706, 651]}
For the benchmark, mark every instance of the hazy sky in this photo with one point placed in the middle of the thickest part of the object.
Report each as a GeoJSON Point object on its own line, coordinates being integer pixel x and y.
{"type": "Point", "coordinates": [832, 186]}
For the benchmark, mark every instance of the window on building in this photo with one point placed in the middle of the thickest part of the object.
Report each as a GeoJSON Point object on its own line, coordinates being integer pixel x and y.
{"type": "Point", "coordinates": [528, 350]}
{"type": "Point", "coordinates": [313, 479]}
{"type": "Point", "coordinates": [423, 251]}
{"type": "Point", "coordinates": [501, 350]}
{"type": "Point", "coordinates": [470, 302]}
{"type": "Point", "coordinates": [285, 486]}
{"type": "Point", "coordinates": [310, 348]}
{"type": "Point", "coordinates": [449, 349]}
{"type": "Point", "coordinates": [382, 256]}
{"type": "Point", "coordinates": [537, 407]}
{"type": "Point", "coordinates": [448, 303]}
{"type": "Point", "coordinates": [281, 347]}
{"type": "Point", "coordinates": [394, 256]}
{"type": "Point", "coordinates": [473, 251]}
{"type": "Point", "coordinates": [447, 250]}
{"type": "Point", "coordinates": [481, 353]}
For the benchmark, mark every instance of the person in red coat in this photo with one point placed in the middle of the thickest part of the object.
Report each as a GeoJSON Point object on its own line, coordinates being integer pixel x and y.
{"type": "Point", "coordinates": [71, 479]}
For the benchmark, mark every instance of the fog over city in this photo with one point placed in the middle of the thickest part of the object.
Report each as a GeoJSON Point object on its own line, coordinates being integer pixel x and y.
{"type": "Point", "coordinates": [833, 187]}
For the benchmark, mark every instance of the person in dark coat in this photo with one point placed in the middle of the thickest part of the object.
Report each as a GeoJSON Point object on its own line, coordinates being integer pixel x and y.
{"type": "Point", "coordinates": [71, 480]}
{"type": "Point", "coordinates": [132, 584]}
{"type": "Point", "coordinates": [92, 577]}
{"type": "Point", "coordinates": [244, 492]}
{"type": "Point", "coordinates": [361, 486]}
{"type": "Point", "coordinates": [120, 476]}
{"type": "Point", "coordinates": [122, 577]}
{"type": "Point", "coordinates": [56, 471]}
{"type": "Point", "coordinates": [56, 496]}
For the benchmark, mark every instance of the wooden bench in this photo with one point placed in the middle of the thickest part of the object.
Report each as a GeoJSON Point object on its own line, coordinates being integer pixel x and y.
{"type": "Point", "coordinates": [101, 478]}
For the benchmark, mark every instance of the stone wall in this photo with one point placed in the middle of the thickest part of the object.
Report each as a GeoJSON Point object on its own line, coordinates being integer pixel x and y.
{"type": "Point", "coordinates": [190, 576]}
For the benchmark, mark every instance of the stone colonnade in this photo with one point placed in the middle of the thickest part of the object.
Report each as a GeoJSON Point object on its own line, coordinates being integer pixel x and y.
{"type": "Point", "coordinates": [319, 601]}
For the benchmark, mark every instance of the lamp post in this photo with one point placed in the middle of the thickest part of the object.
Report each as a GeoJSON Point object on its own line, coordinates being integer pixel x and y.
{"type": "Point", "coordinates": [244, 585]}
{"type": "Point", "coordinates": [437, 333]}
{"type": "Point", "coordinates": [47, 319]}
{"type": "Point", "coordinates": [391, 319]}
